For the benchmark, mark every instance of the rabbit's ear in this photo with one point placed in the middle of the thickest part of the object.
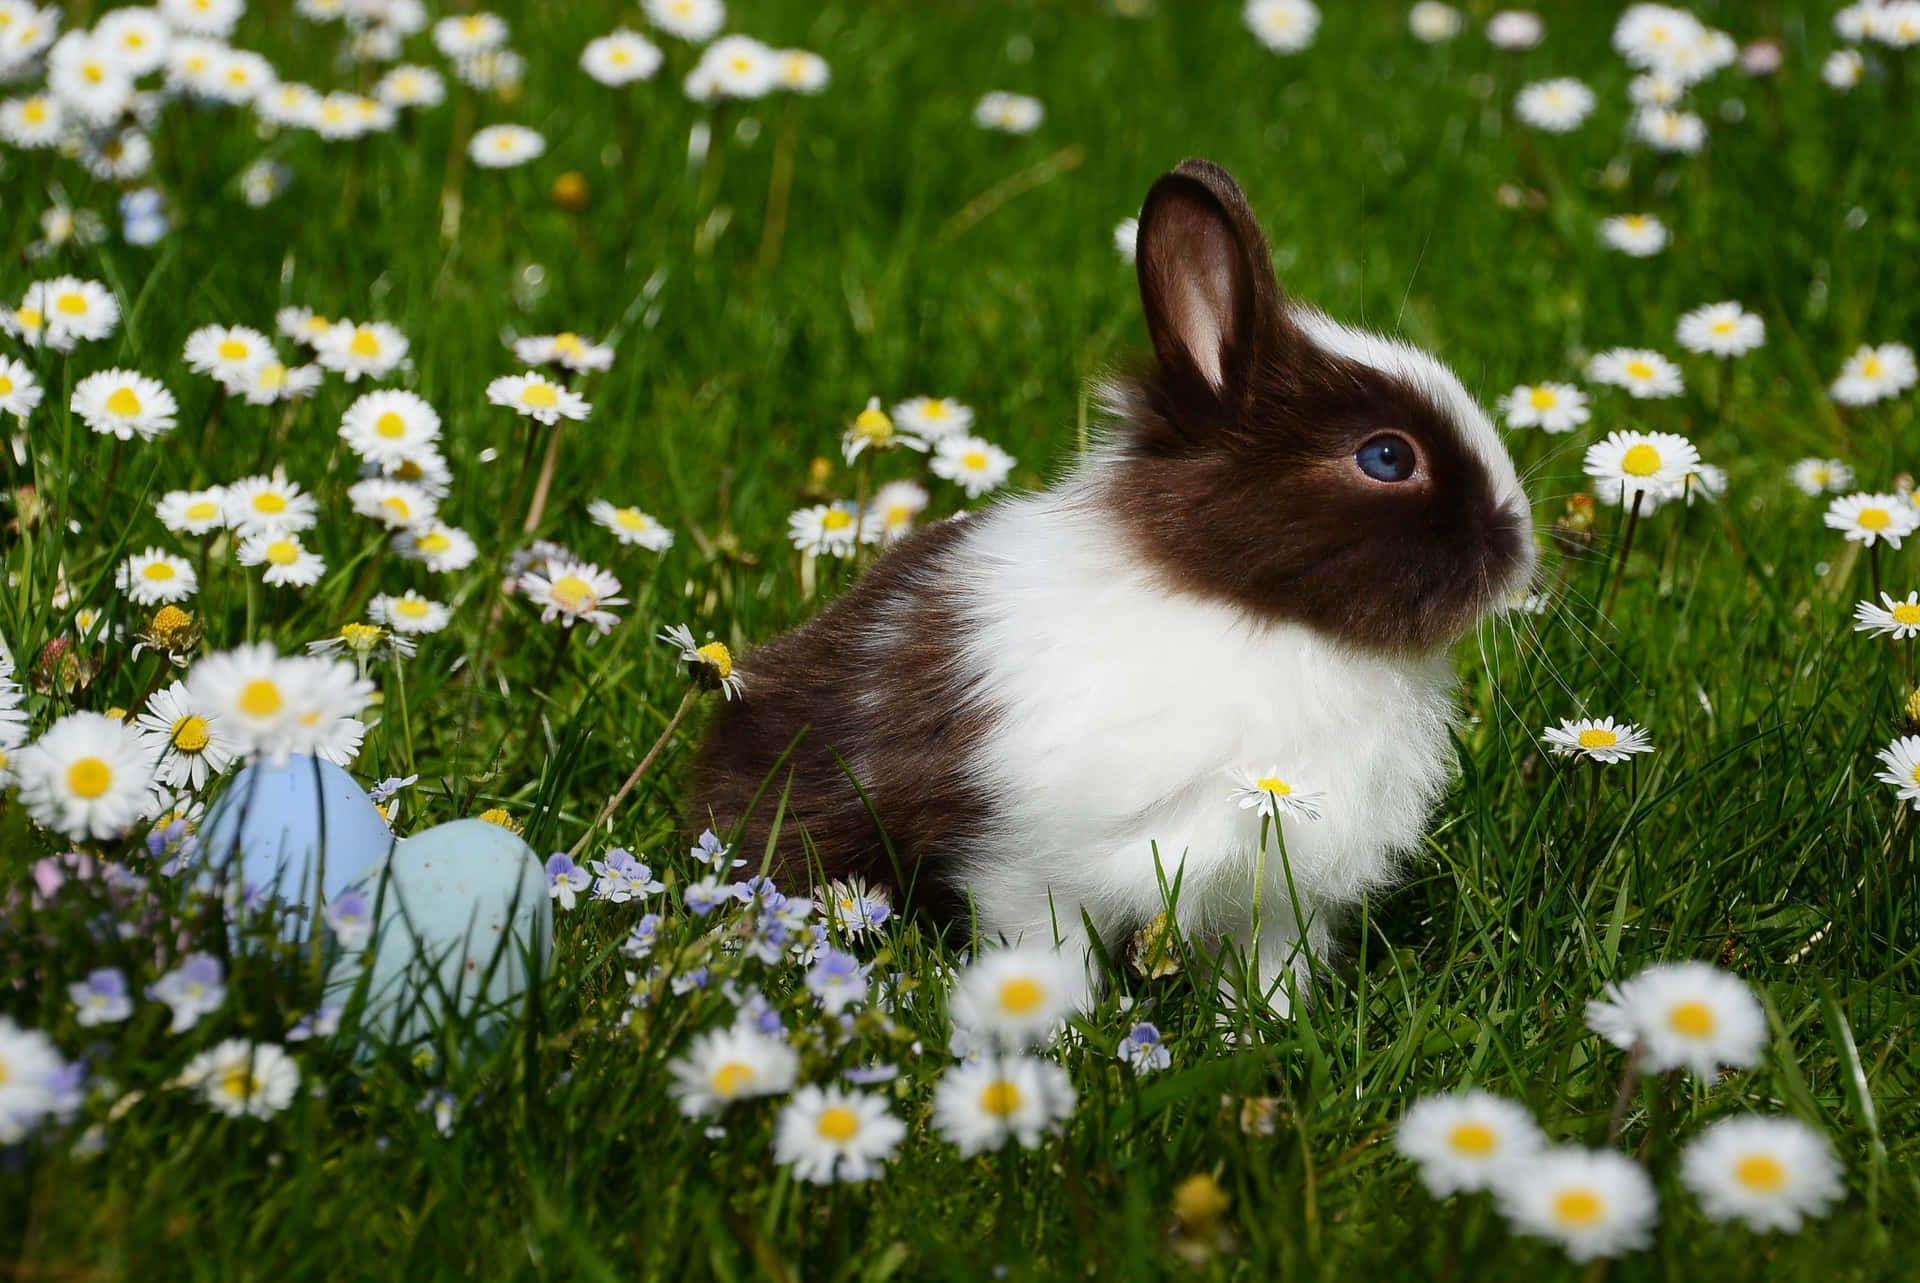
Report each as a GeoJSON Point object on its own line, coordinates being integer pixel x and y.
{"type": "Point", "coordinates": [1206, 281]}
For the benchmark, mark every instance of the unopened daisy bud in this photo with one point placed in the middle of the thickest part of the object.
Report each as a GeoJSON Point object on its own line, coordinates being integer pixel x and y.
{"type": "Point", "coordinates": [872, 428]}
{"type": "Point", "coordinates": [1913, 707]}
{"type": "Point", "coordinates": [172, 632]}
{"type": "Point", "coordinates": [570, 191]}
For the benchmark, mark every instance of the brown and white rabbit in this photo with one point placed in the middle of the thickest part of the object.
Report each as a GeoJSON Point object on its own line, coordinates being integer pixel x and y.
{"type": "Point", "coordinates": [1266, 561]}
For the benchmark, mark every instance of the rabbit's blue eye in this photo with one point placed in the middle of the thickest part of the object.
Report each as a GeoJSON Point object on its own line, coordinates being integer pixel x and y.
{"type": "Point", "coordinates": [1386, 457]}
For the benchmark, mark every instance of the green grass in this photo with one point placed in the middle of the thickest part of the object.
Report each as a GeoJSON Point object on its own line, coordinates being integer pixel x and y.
{"type": "Point", "coordinates": [923, 255]}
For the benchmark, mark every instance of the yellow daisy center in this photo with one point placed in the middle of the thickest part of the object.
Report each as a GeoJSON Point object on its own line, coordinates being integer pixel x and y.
{"type": "Point", "coordinates": [1595, 737]}
{"type": "Point", "coordinates": [158, 571]}
{"type": "Point", "coordinates": [1635, 222]}
{"type": "Point", "coordinates": [89, 778]}
{"type": "Point", "coordinates": [742, 64]}
{"type": "Point", "coordinates": [899, 514]}
{"type": "Point", "coordinates": [873, 425]}
{"type": "Point", "coordinates": [732, 1078]}
{"type": "Point", "coordinates": [268, 501]}
{"type": "Point", "coordinates": [240, 1084]}
{"type": "Point", "coordinates": [390, 425]}
{"type": "Point", "coordinates": [1021, 996]}
{"type": "Point", "coordinates": [1762, 1173]}
{"type": "Point", "coordinates": [837, 1124]}
{"type": "Point", "coordinates": [1874, 519]}
{"type": "Point", "coordinates": [540, 395]}
{"type": "Point", "coordinates": [973, 461]}
{"type": "Point", "coordinates": [272, 376]}
{"type": "Point", "coordinates": [283, 552]}
{"type": "Point", "coordinates": [232, 350]}
{"type": "Point", "coordinates": [1871, 367]}
{"type": "Point", "coordinates": [472, 25]}
{"type": "Point", "coordinates": [397, 506]}
{"type": "Point", "coordinates": [1000, 1098]}
{"type": "Point", "coordinates": [935, 409]}
{"type": "Point", "coordinates": [1640, 460]}
{"type": "Point", "coordinates": [1579, 1208]}
{"type": "Point", "coordinates": [1476, 1139]}
{"type": "Point", "coordinates": [1722, 326]}
{"type": "Point", "coordinates": [717, 654]}
{"type": "Point", "coordinates": [260, 698]}
{"type": "Point", "coordinates": [365, 343]}
{"type": "Point", "coordinates": [94, 73]}
{"type": "Point", "coordinates": [1693, 1018]}
{"type": "Point", "coordinates": [30, 318]}
{"type": "Point", "coordinates": [1274, 785]}
{"type": "Point", "coordinates": [1906, 613]}
{"type": "Point", "coordinates": [6, 385]}
{"type": "Point", "coordinates": [1543, 398]}
{"type": "Point", "coordinates": [204, 510]}
{"type": "Point", "coordinates": [619, 57]}
{"type": "Point", "coordinates": [572, 593]}
{"type": "Point", "coordinates": [123, 402]}
{"type": "Point", "coordinates": [1638, 369]}
{"type": "Point", "coordinates": [410, 607]}
{"type": "Point", "coordinates": [1914, 775]}
{"type": "Point", "coordinates": [434, 542]}
{"type": "Point", "coordinates": [189, 734]}
{"type": "Point", "coordinates": [631, 519]}
{"type": "Point", "coordinates": [361, 637]}
{"type": "Point", "coordinates": [35, 111]}
{"type": "Point", "coordinates": [567, 341]}
{"type": "Point", "coordinates": [836, 519]}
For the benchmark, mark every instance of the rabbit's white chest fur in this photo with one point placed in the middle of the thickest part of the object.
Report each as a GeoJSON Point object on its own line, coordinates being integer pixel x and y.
{"type": "Point", "coordinates": [1122, 712]}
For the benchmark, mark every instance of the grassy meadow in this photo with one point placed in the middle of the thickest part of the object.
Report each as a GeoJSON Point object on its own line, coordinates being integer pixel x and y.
{"type": "Point", "coordinates": [870, 240]}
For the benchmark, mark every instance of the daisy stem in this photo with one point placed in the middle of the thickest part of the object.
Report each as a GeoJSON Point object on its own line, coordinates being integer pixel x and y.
{"type": "Point", "coordinates": [1626, 550]}
{"type": "Point", "coordinates": [862, 489]}
{"type": "Point", "coordinates": [1259, 884]}
{"type": "Point", "coordinates": [1873, 568]}
{"type": "Point", "coordinates": [1456, 1235]}
{"type": "Point", "coordinates": [620, 795]}
{"type": "Point", "coordinates": [113, 473]}
{"type": "Point", "coordinates": [209, 430]}
{"type": "Point", "coordinates": [1629, 1084]}
{"type": "Point", "coordinates": [541, 486]}
{"type": "Point", "coordinates": [456, 166]}
{"type": "Point", "coordinates": [773, 227]}
{"type": "Point", "coordinates": [406, 721]}
{"type": "Point", "coordinates": [559, 653]}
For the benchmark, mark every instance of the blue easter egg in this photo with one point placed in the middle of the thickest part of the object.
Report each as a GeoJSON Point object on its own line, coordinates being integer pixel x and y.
{"type": "Point", "coordinates": [464, 925]}
{"type": "Point", "coordinates": [293, 828]}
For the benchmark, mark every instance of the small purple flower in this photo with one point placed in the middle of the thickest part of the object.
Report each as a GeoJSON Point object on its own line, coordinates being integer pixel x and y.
{"type": "Point", "coordinates": [708, 894]}
{"type": "Point", "coordinates": [809, 944]}
{"type": "Point", "coordinates": [871, 1075]}
{"type": "Point", "coordinates": [102, 998]}
{"type": "Point", "coordinates": [197, 987]}
{"type": "Point", "coordinates": [68, 1087]}
{"type": "Point", "coordinates": [440, 1103]}
{"type": "Point", "coordinates": [639, 942]}
{"type": "Point", "coordinates": [623, 878]}
{"type": "Point", "coordinates": [688, 981]}
{"type": "Point", "coordinates": [838, 980]}
{"type": "Point", "coordinates": [319, 1024]}
{"type": "Point", "coordinates": [351, 918]}
{"type": "Point", "coordinates": [713, 853]}
{"type": "Point", "coordinates": [388, 787]}
{"type": "Point", "coordinates": [1143, 1050]}
{"type": "Point", "coordinates": [565, 879]}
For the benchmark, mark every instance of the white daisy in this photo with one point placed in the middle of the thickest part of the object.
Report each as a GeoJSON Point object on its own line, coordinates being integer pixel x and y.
{"type": "Point", "coordinates": [1284, 26]}
{"type": "Point", "coordinates": [1771, 1173]}
{"type": "Point", "coordinates": [933, 417]}
{"type": "Point", "coordinates": [411, 86]}
{"type": "Point", "coordinates": [1654, 91]}
{"type": "Point", "coordinates": [443, 548]}
{"type": "Point", "coordinates": [267, 505]}
{"type": "Point", "coordinates": [1896, 619]}
{"type": "Point", "coordinates": [537, 397]}
{"type": "Point", "coordinates": [1821, 476]}
{"type": "Point", "coordinates": [389, 426]}
{"type": "Point", "coordinates": [89, 776]}
{"type": "Point", "coordinates": [1554, 106]}
{"type": "Point", "coordinates": [19, 393]}
{"type": "Point", "coordinates": [1643, 373]}
{"type": "Point", "coordinates": [215, 18]}
{"type": "Point", "coordinates": [397, 505]}
{"type": "Point", "coordinates": [323, 720]}
{"type": "Point", "coordinates": [573, 591]}
{"type": "Point", "coordinates": [243, 1079]}
{"type": "Point", "coordinates": [726, 1065]}
{"type": "Point", "coordinates": [35, 121]}
{"type": "Point", "coordinates": [830, 530]}
{"type": "Point", "coordinates": [1843, 68]}
{"type": "Point", "coordinates": [1638, 235]}
{"type": "Point", "coordinates": [979, 1106]}
{"type": "Point", "coordinates": [468, 34]}
{"type": "Point", "coordinates": [975, 465]}
{"type": "Point", "coordinates": [1902, 762]}
{"type": "Point", "coordinates": [1267, 792]}
{"type": "Point", "coordinates": [1126, 239]}
{"type": "Point", "coordinates": [631, 526]}
{"type": "Point", "coordinates": [72, 310]}
{"type": "Point", "coordinates": [301, 324]}
{"type": "Point", "coordinates": [872, 428]}
{"type": "Point", "coordinates": [189, 741]}
{"type": "Point", "coordinates": [120, 158]}
{"type": "Point", "coordinates": [801, 71]}
{"type": "Point", "coordinates": [124, 404]}
{"type": "Point", "coordinates": [697, 21]}
{"type": "Point", "coordinates": [1647, 34]}
{"type": "Point", "coordinates": [740, 67]}
{"type": "Point", "coordinates": [190, 512]}
{"type": "Point", "coordinates": [1664, 129]}
{"type": "Point", "coordinates": [504, 146]}
{"type": "Point", "coordinates": [1591, 1202]}
{"type": "Point", "coordinates": [253, 692]}
{"type": "Point", "coordinates": [1875, 374]}
{"type": "Point", "coordinates": [239, 76]}
{"type": "Point", "coordinates": [271, 381]}
{"type": "Point", "coordinates": [1515, 30]}
{"type": "Point", "coordinates": [891, 515]}
{"type": "Point", "coordinates": [1551, 407]}
{"type": "Point", "coordinates": [1008, 113]}
{"type": "Point", "coordinates": [1683, 1015]}
{"type": "Point", "coordinates": [193, 63]}
{"type": "Point", "coordinates": [1018, 996]}
{"type": "Point", "coordinates": [1873, 518]}
{"type": "Point", "coordinates": [710, 665]}
{"type": "Point", "coordinates": [409, 613]}
{"type": "Point", "coordinates": [1461, 1140]}
{"type": "Point", "coordinates": [564, 349]}
{"type": "Point", "coordinates": [134, 39]}
{"type": "Point", "coordinates": [288, 563]}
{"type": "Point", "coordinates": [227, 352]}
{"type": "Point", "coordinates": [371, 348]}
{"type": "Point", "coordinates": [87, 79]}
{"type": "Point", "coordinates": [620, 58]}
{"type": "Point", "coordinates": [498, 70]}
{"type": "Point", "coordinates": [1644, 468]}
{"type": "Point", "coordinates": [1722, 329]}
{"type": "Point", "coordinates": [1602, 740]}
{"type": "Point", "coordinates": [152, 577]}
{"type": "Point", "coordinates": [29, 1063]}
{"type": "Point", "coordinates": [833, 1134]}
{"type": "Point", "coordinates": [1432, 22]}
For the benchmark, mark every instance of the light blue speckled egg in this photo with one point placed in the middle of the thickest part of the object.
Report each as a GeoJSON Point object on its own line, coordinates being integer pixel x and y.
{"type": "Point", "coordinates": [295, 826]}
{"type": "Point", "coordinates": [463, 911]}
